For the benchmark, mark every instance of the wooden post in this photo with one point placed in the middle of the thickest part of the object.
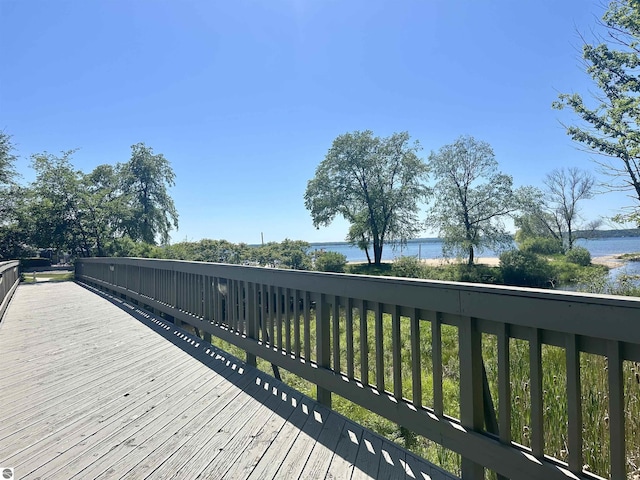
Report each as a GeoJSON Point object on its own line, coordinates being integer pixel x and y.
{"type": "Point", "coordinates": [471, 401]}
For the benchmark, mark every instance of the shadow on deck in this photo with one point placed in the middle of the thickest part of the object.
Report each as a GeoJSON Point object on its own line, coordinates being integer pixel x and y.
{"type": "Point", "coordinates": [89, 392]}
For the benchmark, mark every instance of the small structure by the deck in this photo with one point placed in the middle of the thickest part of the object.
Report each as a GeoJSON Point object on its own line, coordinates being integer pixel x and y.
{"type": "Point", "coordinates": [93, 387]}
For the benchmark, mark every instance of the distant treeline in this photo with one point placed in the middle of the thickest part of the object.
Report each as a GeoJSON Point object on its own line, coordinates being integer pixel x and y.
{"type": "Point", "coordinates": [626, 232]}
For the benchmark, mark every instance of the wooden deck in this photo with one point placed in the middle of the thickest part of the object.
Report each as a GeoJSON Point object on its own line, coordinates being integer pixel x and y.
{"type": "Point", "coordinates": [94, 388]}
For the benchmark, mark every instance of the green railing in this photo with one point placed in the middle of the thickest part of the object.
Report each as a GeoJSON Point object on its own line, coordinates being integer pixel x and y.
{"type": "Point", "coordinates": [333, 330]}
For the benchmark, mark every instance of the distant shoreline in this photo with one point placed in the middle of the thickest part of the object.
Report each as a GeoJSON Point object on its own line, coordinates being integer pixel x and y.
{"type": "Point", "coordinates": [611, 261]}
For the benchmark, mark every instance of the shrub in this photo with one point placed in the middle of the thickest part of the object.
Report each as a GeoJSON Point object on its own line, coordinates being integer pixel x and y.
{"type": "Point", "coordinates": [579, 256]}
{"type": "Point", "coordinates": [330, 262]}
{"type": "Point", "coordinates": [409, 267]}
{"type": "Point", "coordinates": [542, 245]}
{"type": "Point", "coordinates": [525, 269]}
{"type": "Point", "coordinates": [35, 262]}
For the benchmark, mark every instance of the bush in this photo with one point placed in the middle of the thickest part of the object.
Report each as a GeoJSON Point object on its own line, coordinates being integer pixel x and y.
{"type": "Point", "coordinates": [330, 262]}
{"type": "Point", "coordinates": [35, 262]}
{"type": "Point", "coordinates": [542, 245]}
{"type": "Point", "coordinates": [525, 269]}
{"type": "Point", "coordinates": [409, 267]}
{"type": "Point", "coordinates": [579, 256]}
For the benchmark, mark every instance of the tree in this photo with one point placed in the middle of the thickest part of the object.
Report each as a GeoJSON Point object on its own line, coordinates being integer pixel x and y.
{"type": "Point", "coordinates": [375, 183]}
{"type": "Point", "coordinates": [610, 126]}
{"type": "Point", "coordinates": [145, 179]}
{"type": "Point", "coordinates": [7, 159]}
{"type": "Point", "coordinates": [471, 198]}
{"type": "Point", "coordinates": [56, 208]}
{"type": "Point", "coordinates": [555, 211]}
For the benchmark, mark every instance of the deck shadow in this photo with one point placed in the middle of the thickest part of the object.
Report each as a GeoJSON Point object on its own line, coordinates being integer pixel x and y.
{"type": "Point", "coordinates": [358, 448]}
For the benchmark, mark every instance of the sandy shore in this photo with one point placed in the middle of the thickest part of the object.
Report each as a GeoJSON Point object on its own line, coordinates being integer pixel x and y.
{"type": "Point", "coordinates": [610, 261]}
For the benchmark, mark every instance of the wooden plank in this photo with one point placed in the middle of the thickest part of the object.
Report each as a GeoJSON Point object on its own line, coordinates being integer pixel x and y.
{"type": "Point", "coordinates": [367, 463]}
{"type": "Point", "coordinates": [296, 323]}
{"type": "Point", "coordinates": [346, 451]}
{"type": "Point", "coordinates": [301, 447]}
{"type": "Point", "coordinates": [392, 461]}
{"type": "Point", "coordinates": [318, 462]}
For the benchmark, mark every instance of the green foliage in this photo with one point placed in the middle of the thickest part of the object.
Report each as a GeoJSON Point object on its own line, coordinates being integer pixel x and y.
{"type": "Point", "coordinates": [610, 126]}
{"type": "Point", "coordinates": [409, 267]}
{"type": "Point", "coordinates": [207, 250]}
{"type": "Point", "coordinates": [7, 159]}
{"type": "Point", "coordinates": [375, 183]}
{"type": "Point", "coordinates": [460, 272]}
{"type": "Point", "coordinates": [525, 269]}
{"type": "Point", "coordinates": [145, 180]}
{"type": "Point", "coordinates": [471, 198]}
{"type": "Point", "coordinates": [540, 245]}
{"type": "Point", "coordinates": [579, 256]}
{"type": "Point", "coordinates": [330, 262]}
{"type": "Point", "coordinates": [35, 262]}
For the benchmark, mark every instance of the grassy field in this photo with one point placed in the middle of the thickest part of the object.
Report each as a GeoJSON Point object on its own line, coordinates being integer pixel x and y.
{"type": "Point", "coordinates": [594, 394]}
{"type": "Point", "coordinates": [47, 276]}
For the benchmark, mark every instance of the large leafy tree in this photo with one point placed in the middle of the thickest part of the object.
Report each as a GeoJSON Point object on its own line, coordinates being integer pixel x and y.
{"type": "Point", "coordinates": [610, 119]}
{"type": "Point", "coordinates": [146, 178]}
{"type": "Point", "coordinates": [471, 198]}
{"type": "Point", "coordinates": [375, 183]}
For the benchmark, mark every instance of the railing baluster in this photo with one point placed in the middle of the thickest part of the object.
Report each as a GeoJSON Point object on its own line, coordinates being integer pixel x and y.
{"type": "Point", "coordinates": [251, 318]}
{"type": "Point", "coordinates": [349, 333]}
{"type": "Point", "coordinates": [287, 320]}
{"type": "Point", "coordinates": [416, 372]}
{"type": "Point", "coordinates": [323, 353]}
{"type": "Point", "coordinates": [504, 385]}
{"type": "Point", "coordinates": [364, 344]}
{"type": "Point", "coordinates": [616, 411]}
{"type": "Point", "coordinates": [264, 294]}
{"type": "Point", "coordinates": [396, 353]}
{"type": "Point", "coordinates": [296, 322]}
{"type": "Point", "coordinates": [272, 315]}
{"type": "Point", "coordinates": [335, 320]}
{"type": "Point", "coordinates": [537, 407]}
{"type": "Point", "coordinates": [379, 348]}
{"type": "Point", "coordinates": [574, 405]}
{"type": "Point", "coordinates": [436, 341]}
{"type": "Point", "coordinates": [278, 312]}
{"type": "Point", "coordinates": [307, 327]}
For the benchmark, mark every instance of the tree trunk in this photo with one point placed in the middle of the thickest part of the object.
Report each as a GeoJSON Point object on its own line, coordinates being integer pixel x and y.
{"type": "Point", "coordinates": [377, 253]}
{"type": "Point", "coordinates": [470, 262]}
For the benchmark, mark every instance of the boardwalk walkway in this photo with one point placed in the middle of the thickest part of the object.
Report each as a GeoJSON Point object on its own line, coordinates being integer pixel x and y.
{"type": "Point", "coordinates": [94, 388]}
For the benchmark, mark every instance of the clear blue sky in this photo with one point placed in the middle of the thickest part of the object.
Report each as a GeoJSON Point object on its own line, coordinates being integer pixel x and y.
{"type": "Point", "coordinates": [244, 98]}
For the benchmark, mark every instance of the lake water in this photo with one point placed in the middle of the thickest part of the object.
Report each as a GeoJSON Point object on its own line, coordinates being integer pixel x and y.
{"type": "Point", "coordinates": [432, 248]}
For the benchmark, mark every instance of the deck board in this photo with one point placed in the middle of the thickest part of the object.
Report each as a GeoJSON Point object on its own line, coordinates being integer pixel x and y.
{"type": "Point", "coordinates": [96, 388]}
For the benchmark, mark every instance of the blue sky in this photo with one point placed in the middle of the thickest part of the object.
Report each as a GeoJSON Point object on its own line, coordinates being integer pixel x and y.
{"type": "Point", "coordinates": [244, 98]}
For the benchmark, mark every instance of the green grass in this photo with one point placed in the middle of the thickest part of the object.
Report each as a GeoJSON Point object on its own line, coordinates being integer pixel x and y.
{"type": "Point", "coordinates": [630, 257]}
{"type": "Point", "coordinates": [53, 277]}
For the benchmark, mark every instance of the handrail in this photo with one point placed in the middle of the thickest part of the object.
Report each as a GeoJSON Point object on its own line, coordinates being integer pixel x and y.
{"type": "Point", "coordinates": [271, 313]}
{"type": "Point", "coordinates": [9, 280]}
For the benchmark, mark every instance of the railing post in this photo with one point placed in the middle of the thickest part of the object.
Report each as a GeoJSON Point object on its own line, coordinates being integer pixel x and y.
{"type": "Point", "coordinates": [471, 398]}
{"type": "Point", "coordinates": [323, 345]}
